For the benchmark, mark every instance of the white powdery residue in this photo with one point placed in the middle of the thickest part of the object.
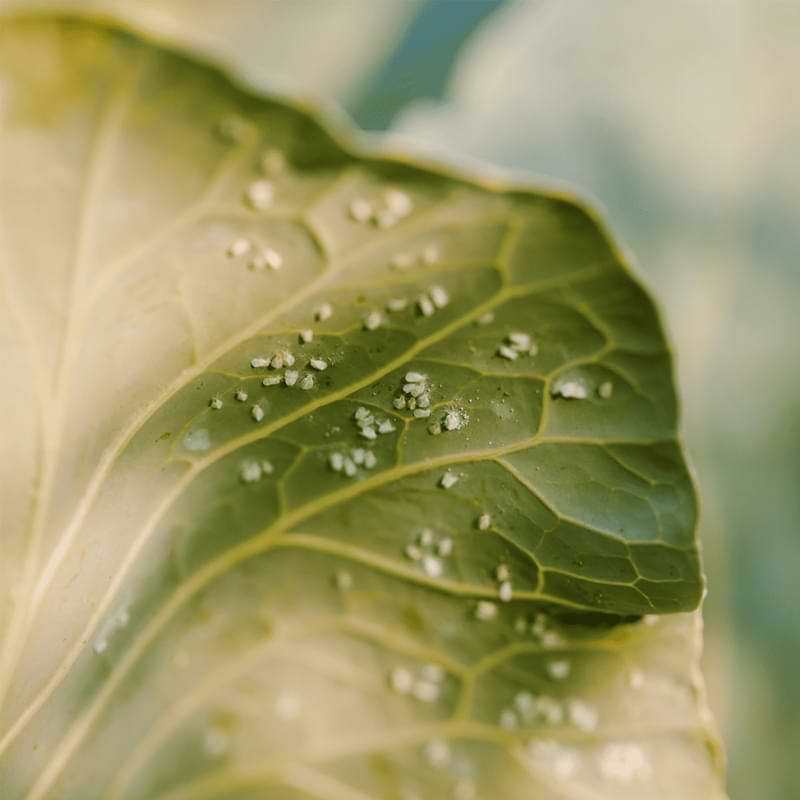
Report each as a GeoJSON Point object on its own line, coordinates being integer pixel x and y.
{"type": "Point", "coordinates": [197, 440]}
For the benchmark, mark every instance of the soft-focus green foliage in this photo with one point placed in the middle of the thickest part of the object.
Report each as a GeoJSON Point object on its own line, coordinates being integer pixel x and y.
{"type": "Point", "coordinates": [220, 575]}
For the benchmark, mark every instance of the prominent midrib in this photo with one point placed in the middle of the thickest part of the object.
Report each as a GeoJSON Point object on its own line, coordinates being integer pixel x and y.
{"type": "Point", "coordinates": [127, 434]}
{"type": "Point", "coordinates": [258, 545]}
{"type": "Point", "coordinates": [261, 433]}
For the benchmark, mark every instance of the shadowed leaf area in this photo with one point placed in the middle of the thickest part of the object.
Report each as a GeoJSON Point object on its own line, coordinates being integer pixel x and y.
{"type": "Point", "coordinates": [325, 475]}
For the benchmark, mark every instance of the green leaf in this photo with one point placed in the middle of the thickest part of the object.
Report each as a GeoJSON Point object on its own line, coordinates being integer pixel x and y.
{"type": "Point", "coordinates": [308, 591]}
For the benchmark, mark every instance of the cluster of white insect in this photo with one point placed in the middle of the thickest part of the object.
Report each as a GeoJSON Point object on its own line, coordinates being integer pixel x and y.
{"type": "Point", "coordinates": [349, 462]}
{"type": "Point", "coordinates": [624, 762]}
{"type": "Point", "coordinates": [517, 344]}
{"type": "Point", "coordinates": [252, 471]}
{"type": "Point", "coordinates": [502, 575]}
{"type": "Point", "coordinates": [527, 709]}
{"type": "Point", "coordinates": [559, 759]}
{"type": "Point", "coordinates": [429, 551]}
{"type": "Point", "coordinates": [539, 627]}
{"type": "Point", "coordinates": [436, 297]}
{"type": "Point", "coordinates": [392, 207]}
{"type": "Point", "coordinates": [484, 521]}
{"type": "Point", "coordinates": [407, 260]}
{"type": "Point", "coordinates": [569, 389]}
{"type": "Point", "coordinates": [369, 426]}
{"type": "Point", "coordinates": [424, 684]}
{"type": "Point", "coordinates": [261, 258]}
{"type": "Point", "coordinates": [266, 258]}
{"type": "Point", "coordinates": [279, 360]}
{"type": "Point", "coordinates": [415, 395]}
{"type": "Point", "coordinates": [284, 360]}
{"type": "Point", "coordinates": [454, 419]}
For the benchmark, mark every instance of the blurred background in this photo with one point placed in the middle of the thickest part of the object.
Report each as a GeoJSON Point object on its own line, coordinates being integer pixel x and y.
{"type": "Point", "coordinates": [681, 120]}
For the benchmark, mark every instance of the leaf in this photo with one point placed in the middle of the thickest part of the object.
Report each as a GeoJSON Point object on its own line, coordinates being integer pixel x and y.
{"type": "Point", "coordinates": [286, 595]}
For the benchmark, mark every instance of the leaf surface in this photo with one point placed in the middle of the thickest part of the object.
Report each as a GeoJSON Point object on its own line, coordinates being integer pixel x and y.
{"type": "Point", "coordinates": [325, 474]}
